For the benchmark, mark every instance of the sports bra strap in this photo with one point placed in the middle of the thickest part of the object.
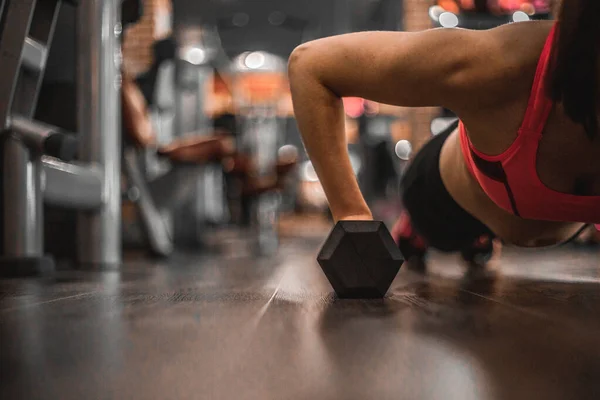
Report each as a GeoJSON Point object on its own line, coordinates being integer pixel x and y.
{"type": "Point", "coordinates": [540, 105]}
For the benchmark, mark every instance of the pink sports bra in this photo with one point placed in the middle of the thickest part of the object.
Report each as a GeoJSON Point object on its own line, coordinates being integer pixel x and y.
{"type": "Point", "coordinates": [510, 179]}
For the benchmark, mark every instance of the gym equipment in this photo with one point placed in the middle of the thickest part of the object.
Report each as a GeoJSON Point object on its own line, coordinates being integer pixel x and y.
{"type": "Point", "coordinates": [260, 140]}
{"type": "Point", "coordinates": [187, 157]}
{"type": "Point", "coordinates": [31, 152]}
{"type": "Point", "coordinates": [258, 87]}
{"type": "Point", "coordinates": [192, 159]}
{"type": "Point", "coordinates": [207, 206]}
{"type": "Point", "coordinates": [163, 53]}
{"type": "Point", "coordinates": [360, 259]}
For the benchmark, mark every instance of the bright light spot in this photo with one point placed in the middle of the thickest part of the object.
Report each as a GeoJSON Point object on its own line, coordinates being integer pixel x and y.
{"type": "Point", "coordinates": [435, 12]}
{"type": "Point", "coordinates": [287, 152]}
{"type": "Point", "coordinates": [240, 60]}
{"type": "Point", "coordinates": [448, 20]}
{"type": "Point", "coordinates": [240, 19]}
{"type": "Point", "coordinates": [439, 125]}
{"type": "Point", "coordinates": [520, 16]}
{"type": "Point", "coordinates": [403, 149]}
{"type": "Point", "coordinates": [308, 172]}
{"type": "Point", "coordinates": [195, 55]}
{"type": "Point", "coordinates": [276, 18]}
{"type": "Point", "coordinates": [255, 60]}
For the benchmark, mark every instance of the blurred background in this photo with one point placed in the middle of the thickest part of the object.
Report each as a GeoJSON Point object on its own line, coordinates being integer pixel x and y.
{"type": "Point", "coordinates": [212, 157]}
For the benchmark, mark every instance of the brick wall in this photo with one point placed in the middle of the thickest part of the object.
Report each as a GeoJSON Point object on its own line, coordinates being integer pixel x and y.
{"type": "Point", "coordinates": [154, 25]}
{"type": "Point", "coordinates": [416, 18]}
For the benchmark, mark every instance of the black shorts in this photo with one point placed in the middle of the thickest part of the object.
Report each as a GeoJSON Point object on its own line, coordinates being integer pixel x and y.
{"type": "Point", "coordinates": [434, 214]}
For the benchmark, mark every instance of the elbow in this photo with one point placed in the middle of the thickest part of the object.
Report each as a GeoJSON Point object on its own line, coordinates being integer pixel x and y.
{"type": "Point", "coordinates": [306, 68]}
{"type": "Point", "coordinates": [300, 62]}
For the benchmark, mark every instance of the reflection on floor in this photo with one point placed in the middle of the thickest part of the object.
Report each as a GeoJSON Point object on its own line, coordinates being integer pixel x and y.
{"type": "Point", "coordinates": [230, 327]}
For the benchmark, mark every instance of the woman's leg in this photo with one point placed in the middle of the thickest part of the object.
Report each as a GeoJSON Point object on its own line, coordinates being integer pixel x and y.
{"type": "Point", "coordinates": [431, 217]}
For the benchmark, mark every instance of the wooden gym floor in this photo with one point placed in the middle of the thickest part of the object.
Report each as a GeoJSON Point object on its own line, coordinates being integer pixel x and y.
{"type": "Point", "coordinates": [208, 327]}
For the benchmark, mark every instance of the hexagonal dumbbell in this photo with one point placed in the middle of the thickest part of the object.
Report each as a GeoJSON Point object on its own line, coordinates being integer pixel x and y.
{"type": "Point", "coordinates": [360, 259]}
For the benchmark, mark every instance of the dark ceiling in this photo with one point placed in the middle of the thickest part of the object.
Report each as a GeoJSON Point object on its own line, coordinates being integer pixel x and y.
{"type": "Point", "coordinates": [243, 25]}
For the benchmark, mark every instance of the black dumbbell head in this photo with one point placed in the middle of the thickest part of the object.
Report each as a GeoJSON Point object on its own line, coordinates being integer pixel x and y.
{"type": "Point", "coordinates": [360, 259]}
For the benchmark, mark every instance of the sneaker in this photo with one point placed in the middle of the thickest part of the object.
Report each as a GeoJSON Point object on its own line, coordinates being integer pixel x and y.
{"type": "Point", "coordinates": [409, 242]}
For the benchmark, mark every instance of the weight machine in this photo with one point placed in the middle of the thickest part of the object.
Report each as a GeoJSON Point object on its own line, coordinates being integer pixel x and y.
{"type": "Point", "coordinates": [42, 163]}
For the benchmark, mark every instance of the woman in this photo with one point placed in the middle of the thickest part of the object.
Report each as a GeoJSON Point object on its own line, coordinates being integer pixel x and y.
{"type": "Point", "coordinates": [524, 161]}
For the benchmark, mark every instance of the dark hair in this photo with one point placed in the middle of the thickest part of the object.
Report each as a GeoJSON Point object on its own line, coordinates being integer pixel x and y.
{"type": "Point", "coordinates": [573, 80]}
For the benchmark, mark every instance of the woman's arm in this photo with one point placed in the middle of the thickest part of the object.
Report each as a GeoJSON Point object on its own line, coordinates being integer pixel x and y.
{"type": "Point", "coordinates": [441, 67]}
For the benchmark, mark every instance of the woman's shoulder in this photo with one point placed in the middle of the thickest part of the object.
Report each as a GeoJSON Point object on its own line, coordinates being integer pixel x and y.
{"type": "Point", "coordinates": [503, 98]}
{"type": "Point", "coordinates": [522, 42]}
{"type": "Point", "coordinates": [511, 58]}
{"type": "Point", "coordinates": [517, 49]}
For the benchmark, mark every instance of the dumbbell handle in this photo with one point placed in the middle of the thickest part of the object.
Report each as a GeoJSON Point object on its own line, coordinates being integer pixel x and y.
{"type": "Point", "coordinates": [47, 139]}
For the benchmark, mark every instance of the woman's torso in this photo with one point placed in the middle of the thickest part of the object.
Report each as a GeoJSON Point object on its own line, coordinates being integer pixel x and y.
{"type": "Point", "coordinates": [566, 160]}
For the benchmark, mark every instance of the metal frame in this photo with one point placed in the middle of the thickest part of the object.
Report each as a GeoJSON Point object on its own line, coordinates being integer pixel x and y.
{"type": "Point", "coordinates": [156, 199]}
{"type": "Point", "coordinates": [99, 120]}
{"type": "Point", "coordinates": [155, 227]}
{"type": "Point", "coordinates": [175, 186]}
{"type": "Point", "coordinates": [173, 206]}
{"type": "Point", "coordinates": [261, 139]}
{"type": "Point", "coordinates": [72, 186]}
{"type": "Point", "coordinates": [193, 220]}
{"type": "Point", "coordinates": [29, 177]}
